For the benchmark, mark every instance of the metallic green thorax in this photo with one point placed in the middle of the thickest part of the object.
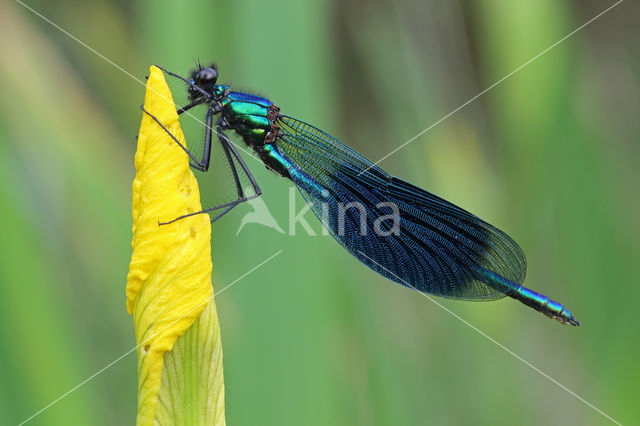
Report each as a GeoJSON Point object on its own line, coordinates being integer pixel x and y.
{"type": "Point", "coordinates": [252, 117]}
{"type": "Point", "coordinates": [247, 115]}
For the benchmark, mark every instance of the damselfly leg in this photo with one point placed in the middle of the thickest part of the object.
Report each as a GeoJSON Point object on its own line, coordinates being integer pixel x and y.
{"type": "Point", "coordinates": [202, 164]}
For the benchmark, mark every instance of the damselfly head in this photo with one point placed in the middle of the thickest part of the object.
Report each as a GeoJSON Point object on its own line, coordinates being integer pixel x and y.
{"type": "Point", "coordinates": [205, 78]}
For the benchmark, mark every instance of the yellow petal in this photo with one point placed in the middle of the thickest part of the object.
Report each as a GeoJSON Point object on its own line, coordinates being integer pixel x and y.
{"type": "Point", "coordinates": [169, 280]}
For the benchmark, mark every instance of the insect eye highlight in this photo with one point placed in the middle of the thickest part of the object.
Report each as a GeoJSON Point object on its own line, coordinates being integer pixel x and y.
{"type": "Point", "coordinates": [207, 76]}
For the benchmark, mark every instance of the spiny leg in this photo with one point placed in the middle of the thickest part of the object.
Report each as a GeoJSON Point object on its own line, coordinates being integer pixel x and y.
{"type": "Point", "coordinates": [202, 91]}
{"type": "Point", "coordinates": [234, 171]}
{"type": "Point", "coordinates": [226, 143]}
{"type": "Point", "coordinates": [191, 105]}
{"type": "Point", "coordinates": [184, 148]}
{"type": "Point", "coordinates": [202, 164]}
{"type": "Point", "coordinates": [205, 95]}
{"type": "Point", "coordinates": [229, 150]}
{"type": "Point", "coordinates": [232, 156]}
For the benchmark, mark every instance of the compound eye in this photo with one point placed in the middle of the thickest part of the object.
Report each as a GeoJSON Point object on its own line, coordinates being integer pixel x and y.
{"type": "Point", "coordinates": [207, 75]}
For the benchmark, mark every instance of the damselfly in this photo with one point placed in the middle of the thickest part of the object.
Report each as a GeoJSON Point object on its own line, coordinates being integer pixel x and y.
{"type": "Point", "coordinates": [402, 232]}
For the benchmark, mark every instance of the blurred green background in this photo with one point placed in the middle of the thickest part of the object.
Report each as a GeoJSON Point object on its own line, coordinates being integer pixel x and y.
{"type": "Point", "coordinates": [312, 337]}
